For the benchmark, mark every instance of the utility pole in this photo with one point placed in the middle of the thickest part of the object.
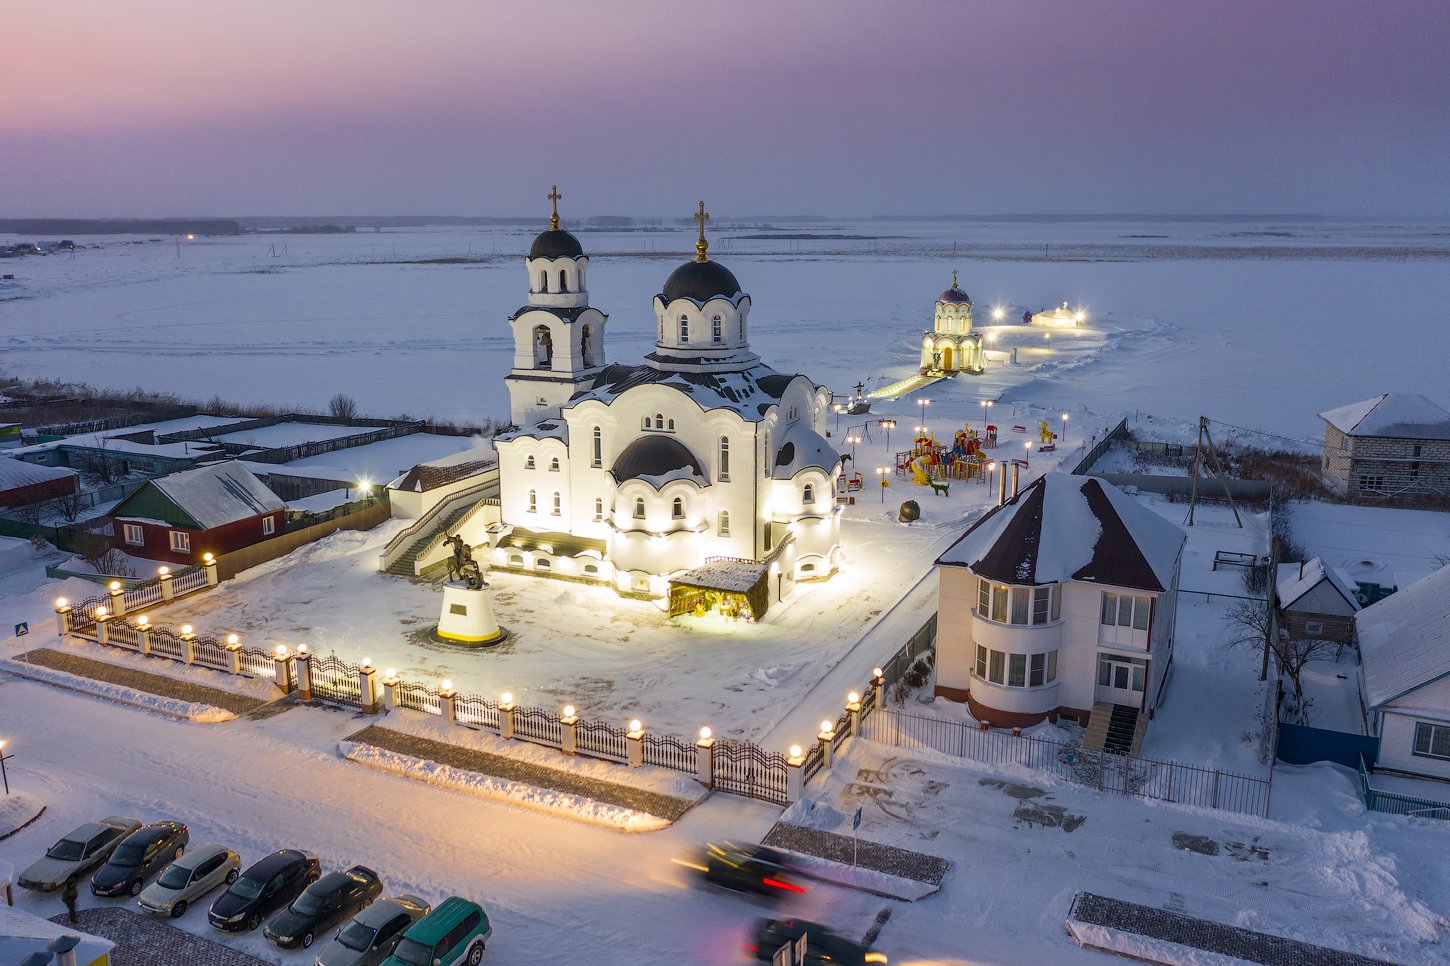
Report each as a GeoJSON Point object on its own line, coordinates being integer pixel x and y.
{"type": "Point", "coordinates": [1209, 455]}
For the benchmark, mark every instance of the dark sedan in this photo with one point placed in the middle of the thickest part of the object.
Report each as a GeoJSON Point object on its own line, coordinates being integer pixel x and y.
{"type": "Point", "coordinates": [322, 905]}
{"type": "Point", "coordinates": [264, 888]}
{"type": "Point", "coordinates": [140, 855]}
{"type": "Point", "coordinates": [823, 947]}
{"type": "Point", "coordinates": [759, 869]}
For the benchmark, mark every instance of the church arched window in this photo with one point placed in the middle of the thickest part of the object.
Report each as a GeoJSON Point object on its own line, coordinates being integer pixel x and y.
{"type": "Point", "coordinates": [543, 347]}
{"type": "Point", "coordinates": [808, 495]}
{"type": "Point", "coordinates": [740, 329]}
{"type": "Point", "coordinates": [677, 509]}
{"type": "Point", "coordinates": [533, 501]}
{"type": "Point", "coordinates": [684, 328]}
{"type": "Point", "coordinates": [715, 329]}
{"type": "Point", "coordinates": [554, 465]}
{"type": "Point", "coordinates": [544, 281]}
{"type": "Point", "coordinates": [598, 508]}
{"type": "Point", "coordinates": [659, 420]}
{"type": "Point", "coordinates": [558, 504]}
{"type": "Point", "coordinates": [598, 457]}
{"type": "Point", "coordinates": [724, 523]}
{"type": "Point", "coordinates": [724, 459]}
{"type": "Point", "coordinates": [672, 425]}
{"type": "Point", "coordinates": [529, 462]}
{"type": "Point", "coordinates": [639, 508]}
{"type": "Point", "coordinates": [586, 345]}
{"type": "Point", "coordinates": [563, 281]}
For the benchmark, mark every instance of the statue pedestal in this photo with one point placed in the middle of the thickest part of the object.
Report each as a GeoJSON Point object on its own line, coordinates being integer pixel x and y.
{"type": "Point", "coordinates": [467, 618]}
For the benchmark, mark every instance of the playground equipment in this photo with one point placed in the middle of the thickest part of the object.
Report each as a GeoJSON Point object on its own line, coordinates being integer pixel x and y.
{"type": "Point", "coordinates": [1048, 436]}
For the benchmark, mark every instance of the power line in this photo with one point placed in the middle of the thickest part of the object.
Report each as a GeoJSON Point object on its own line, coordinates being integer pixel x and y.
{"type": "Point", "coordinates": [1260, 432]}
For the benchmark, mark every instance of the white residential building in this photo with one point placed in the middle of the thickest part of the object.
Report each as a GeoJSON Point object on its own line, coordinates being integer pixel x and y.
{"type": "Point", "coordinates": [1404, 646]}
{"type": "Point", "coordinates": [628, 474]}
{"type": "Point", "coordinates": [1059, 603]}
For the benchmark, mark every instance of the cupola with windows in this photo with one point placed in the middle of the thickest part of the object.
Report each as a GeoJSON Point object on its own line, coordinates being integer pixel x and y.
{"type": "Point", "coordinates": [557, 265]}
{"type": "Point", "coordinates": [701, 315]}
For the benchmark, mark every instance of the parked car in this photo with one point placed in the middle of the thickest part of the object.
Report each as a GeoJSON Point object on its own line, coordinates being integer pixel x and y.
{"type": "Point", "coordinates": [322, 905]}
{"type": "Point", "coordinates": [455, 932]}
{"type": "Point", "coordinates": [76, 854]}
{"type": "Point", "coordinates": [823, 947]}
{"type": "Point", "coordinates": [262, 889]}
{"type": "Point", "coordinates": [758, 869]}
{"type": "Point", "coordinates": [140, 855]}
{"type": "Point", "coordinates": [189, 878]}
{"type": "Point", "coordinates": [370, 937]}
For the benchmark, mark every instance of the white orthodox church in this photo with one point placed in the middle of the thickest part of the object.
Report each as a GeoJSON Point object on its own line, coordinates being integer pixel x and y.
{"type": "Point", "coordinates": [699, 468]}
{"type": "Point", "coordinates": [951, 346]}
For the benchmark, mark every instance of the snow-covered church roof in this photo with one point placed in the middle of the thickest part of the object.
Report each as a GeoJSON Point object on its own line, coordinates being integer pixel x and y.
{"type": "Point", "coordinates": [802, 447]}
{"type": "Point", "coordinates": [1065, 527]}
{"type": "Point", "coordinates": [657, 459]}
{"type": "Point", "coordinates": [1404, 639]}
{"type": "Point", "coordinates": [749, 392]}
{"type": "Point", "coordinates": [1399, 415]}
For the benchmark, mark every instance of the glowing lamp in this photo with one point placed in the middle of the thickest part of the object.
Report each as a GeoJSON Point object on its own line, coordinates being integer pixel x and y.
{"type": "Point", "coordinates": [876, 672]}
{"type": "Point", "coordinates": [825, 727]}
{"type": "Point", "coordinates": [232, 640]}
{"type": "Point", "coordinates": [705, 733]}
{"type": "Point", "coordinates": [568, 711]}
{"type": "Point", "coordinates": [506, 698]}
{"type": "Point", "coordinates": [301, 649]}
{"type": "Point", "coordinates": [102, 612]}
{"type": "Point", "coordinates": [61, 602]}
{"type": "Point", "coordinates": [163, 571]}
{"type": "Point", "coordinates": [853, 698]}
{"type": "Point", "coordinates": [391, 674]}
{"type": "Point", "coordinates": [635, 724]}
{"type": "Point", "coordinates": [142, 621]}
{"type": "Point", "coordinates": [445, 685]}
{"type": "Point", "coordinates": [207, 557]}
{"type": "Point", "coordinates": [367, 664]}
{"type": "Point", "coordinates": [281, 651]}
{"type": "Point", "coordinates": [185, 629]}
{"type": "Point", "coordinates": [795, 751]}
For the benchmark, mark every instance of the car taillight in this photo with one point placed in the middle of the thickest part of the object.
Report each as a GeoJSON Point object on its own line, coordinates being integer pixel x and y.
{"type": "Point", "coordinates": [749, 948]}
{"type": "Point", "coordinates": [788, 886]}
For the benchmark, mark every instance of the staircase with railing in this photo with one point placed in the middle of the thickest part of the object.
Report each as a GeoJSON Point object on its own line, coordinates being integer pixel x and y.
{"type": "Point", "coordinates": [400, 556]}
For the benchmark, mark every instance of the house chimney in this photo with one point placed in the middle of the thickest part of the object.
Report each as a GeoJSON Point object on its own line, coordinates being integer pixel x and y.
{"type": "Point", "coordinates": [1002, 485]}
{"type": "Point", "coordinates": [65, 949]}
{"type": "Point", "coordinates": [1301, 570]}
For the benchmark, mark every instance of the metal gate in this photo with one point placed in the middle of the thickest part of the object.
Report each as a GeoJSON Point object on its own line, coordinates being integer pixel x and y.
{"type": "Point", "coordinates": [333, 679]}
{"type": "Point", "coordinates": [746, 769]}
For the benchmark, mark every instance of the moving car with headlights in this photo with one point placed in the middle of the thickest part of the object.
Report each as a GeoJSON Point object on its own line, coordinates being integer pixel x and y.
{"type": "Point", "coordinates": [453, 933]}
{"type": "Point", "coordinates": [823, 947]}
{"type": "Point", "coordinates": [322, 905]}
{"type": "Point", "coordinates": [76, 854]}
{"type": "Point", "coordinates": [263, 888]}
{"type": "Point", "coordinates": [371, 935]}
{"type": "Point", "coordinates": [757, 869]}
{"type": "Point", "coordinates": [140, 855]}
{"type": "Point", "coordinates": [189, 878]}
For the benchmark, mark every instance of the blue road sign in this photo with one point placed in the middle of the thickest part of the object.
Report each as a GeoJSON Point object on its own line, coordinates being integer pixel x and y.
{"type": "Point", "coordinates": [856, 822]}
{"type": "Point", "coordinates": [22, 628]}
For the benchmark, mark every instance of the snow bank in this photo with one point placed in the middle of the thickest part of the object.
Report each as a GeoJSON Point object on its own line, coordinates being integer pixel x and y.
{"type": "Point", "coordinates": [17, 810]}
{"type": "Point", "coordinates": [862, 879]}
{"type": "Point", "coordinates": [190, 711]}
{"type": "Point", "coordinates": [1144, 949]}
{"type": "Point", "coordinates": [487, 786]}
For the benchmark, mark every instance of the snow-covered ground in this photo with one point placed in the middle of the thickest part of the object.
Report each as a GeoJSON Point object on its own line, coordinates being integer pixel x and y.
{"type": "Point", "coordinates": [1373, 544]}
{"type": "Point", "coordinates": [1197, 318]}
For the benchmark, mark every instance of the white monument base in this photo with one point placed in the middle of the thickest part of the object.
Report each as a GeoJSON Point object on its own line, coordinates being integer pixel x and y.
{"type": "Point", "coordinates": [467, 617]}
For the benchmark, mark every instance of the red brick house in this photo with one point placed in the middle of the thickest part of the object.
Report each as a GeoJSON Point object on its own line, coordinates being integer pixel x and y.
{"type": "Point", "coordinates": [22, 483]}
{"type": "Point", "coordinates": [212, 509]}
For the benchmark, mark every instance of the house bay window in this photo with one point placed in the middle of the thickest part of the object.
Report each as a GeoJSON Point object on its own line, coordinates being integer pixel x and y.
{"type": "Point", "coordinates": [1018, 605]}
{"type": "Point", "coordinates": [1016, 670]}
{"type": "Point", "coordinates": [1125, 610]}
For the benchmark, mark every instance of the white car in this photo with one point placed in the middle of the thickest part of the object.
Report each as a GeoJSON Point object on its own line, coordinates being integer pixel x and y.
{"type": "Point", "coordinates": [189, 878]}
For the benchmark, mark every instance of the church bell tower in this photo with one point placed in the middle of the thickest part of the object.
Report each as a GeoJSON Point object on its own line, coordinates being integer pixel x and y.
{"type": "Point", "coordinates": [558, 336]}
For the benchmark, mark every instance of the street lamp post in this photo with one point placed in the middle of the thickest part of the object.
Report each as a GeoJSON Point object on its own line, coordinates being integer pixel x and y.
{"type": "Point", "coordinates": [921, 405]}
{"type": "Point", "coordinates": [1064, 427]}
{"type": "Point", "coordinates": [3, 773]}
{"type": "Point", "coordinates": [1028, 458]}
{"type": "Point", "coordinates": [888, 425]}
{"type": "Point", "coordinates": [991, 475]}
{"type": "Point", "coordinates": [837, 408]}
{"type": "Point", "coordinates": [853, 440]}
{"type": "Point", "coordinates": [881, 482]}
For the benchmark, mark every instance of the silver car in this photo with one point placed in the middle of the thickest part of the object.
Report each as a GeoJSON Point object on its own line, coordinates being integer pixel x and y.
{"type": "Point", "coordinates": [76, 854]}
{"type": "Point", "coordinates": [369, 938]}
{"type": "Point", "coordinates": [189, 878]}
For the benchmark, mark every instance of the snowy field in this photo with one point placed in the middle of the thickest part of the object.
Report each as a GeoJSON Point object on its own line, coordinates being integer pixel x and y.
{"type": "Point", "coordinates": [1252, 324]}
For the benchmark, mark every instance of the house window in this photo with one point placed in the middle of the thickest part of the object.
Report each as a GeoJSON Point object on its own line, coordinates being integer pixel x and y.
{"type": "Point", "coordinates": [724, 459]}
{"type": "Point", "coordinates": [981, 661]}
{"type": "Point", "coordinates": [1041, 597]}
{"type": "Point", "coordinates": [1432, 740]}
{"type": "Point", "coordinates": [135, 536]}
{"type": "Point", "coordinates": [677, 509]}
{"type": "Point", "coordinates": [995, 665]}
{"type": "Point", "coordinates": [1017, 670]}
{"type": "Point", "coordinates": [529, 462]}
{"type": "Point", "coordinates": [1057, 601]}
{"type": "Point", "coordinates": [724, 523]}
{"type": "Point", "coordinates": [999, 604]}
{"type": "Point", "coordinates": [269, 526]}
{"type": "Point", "coordinates": [639, 508]}
{"type": "Point", "coordinates": [1038, 671]}
{"type": "Point", "coordinates": [984, 597]}
{"type": "Point", "coordinates": [1020, 597]}
{"type": "Point", "coordinates": [554, 465]}
{"type": "Point", "coordinates": [684, 328]}
{"type": "Point", "coordinates": [1125, 610]}
{"type": "Point", "coordinates": [1018, 605]}
{"type": "Point", "coordinates": [1124, 674]}
{"type": "Point", "coordinates": [180, 541]}
{"type": "Point", "coordinates": [715, 326]}
{"type": "Point", "coordinates": [598, 457]}
{"type": "Point", "coordinates": [557, 503]}
{"type": "Point", "coordinates": [598, 508]}
{"type": "Point", "coordinates": [1314, 627]}
{"type": "Point", "coordinates": [808, 495]}
{"type": "Point", "coordinates": [1022, 670]}
{"type": "Point", "coordinates": [1369, 481]}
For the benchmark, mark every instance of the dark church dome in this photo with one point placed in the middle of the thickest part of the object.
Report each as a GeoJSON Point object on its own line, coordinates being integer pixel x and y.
{"type": "Point", "coordinates": [700, 281]}
{"type": "Point", "coordinates": [555, 243]}
{"type": "Point", "coordinates": [654, 455]}
{"type": "Point", "coordinates": [955, 296]}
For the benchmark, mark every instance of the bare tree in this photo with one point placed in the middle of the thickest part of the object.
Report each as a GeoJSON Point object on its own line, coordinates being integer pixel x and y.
{"type": "Point", "coordinates": [1252, 627]}
{"type": "Point", "coordinates": [67, 506]}
{"type": "Point", "coordinates": [342, 406]}
{"type": "Point", "coordinates": [102, 465]}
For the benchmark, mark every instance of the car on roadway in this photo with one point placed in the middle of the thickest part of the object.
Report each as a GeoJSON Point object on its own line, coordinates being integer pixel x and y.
{"type": "Point", "coordinates": [322, 905]}
{"type": "Point", "coordinates": [140, 855]}
{"type": "Point", "coordinates": [263, 888]}
{"type": "Point", "coordinates": [76, 854]}
{"type": "Point", "coordinates": [823, 946]}
{"type": "Point", "coordinates": [758, 869]}
{"type": "Point", "coordinates": [202, 869]}
{"type": "Point", "coordinates": [373, 933]}
{"type": "Point", "coordinates": [455, 932]}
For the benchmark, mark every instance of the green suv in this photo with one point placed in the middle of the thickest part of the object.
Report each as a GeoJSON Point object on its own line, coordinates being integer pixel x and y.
{"type": "Point", "coordinates": [452, 933]}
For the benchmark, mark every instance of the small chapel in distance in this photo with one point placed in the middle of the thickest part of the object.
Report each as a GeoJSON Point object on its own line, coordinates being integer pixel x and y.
{"type": "Point", "coordinates": [700, 473]}
{"type": "Point", "coordinates": [951, 346]}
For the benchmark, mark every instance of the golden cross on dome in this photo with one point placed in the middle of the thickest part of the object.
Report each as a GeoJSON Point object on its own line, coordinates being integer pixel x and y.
{"type": "Point", "coordinates": [702, 246]}
{"type": "Point", "coordinates": [954, 279]}
{"type": "Point", "coordinates": [554, 196]}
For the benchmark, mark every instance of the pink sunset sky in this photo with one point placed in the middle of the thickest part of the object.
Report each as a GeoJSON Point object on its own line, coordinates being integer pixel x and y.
{"type": "Point", "coordinates": [846, 107]}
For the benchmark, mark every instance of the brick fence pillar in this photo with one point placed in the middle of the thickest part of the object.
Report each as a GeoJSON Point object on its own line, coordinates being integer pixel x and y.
{"type": "Point", "coordinates": [569, 731]}
{"type": "Point", "coordinates": [634, 744]}
{"type": "Point", "coordinates": [303, 664]}
{"type": "Point", "coordinates": [705, 759]}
